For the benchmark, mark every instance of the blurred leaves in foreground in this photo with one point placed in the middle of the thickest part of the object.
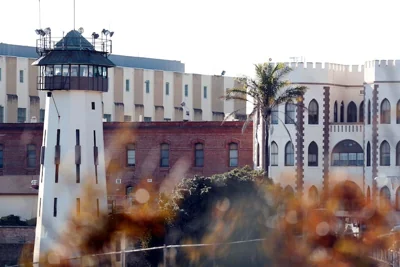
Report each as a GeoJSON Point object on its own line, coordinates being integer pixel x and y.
{"type": "Point", "coordinates": [234, 206]}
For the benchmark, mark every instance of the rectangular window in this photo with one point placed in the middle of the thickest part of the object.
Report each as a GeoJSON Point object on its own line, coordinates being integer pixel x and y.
{"type": "Point", "coordinates": [127, 118]}
{"type": "Point", "coordinates": [78, 155]}
{"type": "Point", "coordinates": [167, 88]}
{"type": "Point", "coordinates": [205, 92]}
{"type": "Point", "coordinates": [233, 155]}
{"type": "Point", "coordinates": [31, 156]}
{"type": "Point", "coordinates": [360, 159]}
{"type": "Point", "coordinates": [21, 115]}
{"type": "Point", "coordinates": [127, 85]}
{"type": "Point", "coordinates": [1, 114]}
{"type": "Point", "coordinates": [78, 206]}
{"type": "Point", "coordinates": [199, 155]}
{"type": "Point", "coordinates": [21, 76]}
{"type": "Point", "coordinates": [186, 90]}
{"type": "Point", "coordinates": [1, 156]}
{"type": "Point", "coordinates": [164, 160]}
{"type": "Point", "coordinates": [93, 106]}
{"type": "Point", "coordinates": [147, 87]}
{"type": "Point", "coordinates": [167, 119]}
{"type": "Point", "coordinates": [147, 119]}
{"type": "Point", "coordinates": [55, 207]}
{"type": "Point", "coordinates": [41, 115]}
{"type": "Point", "coordinates": [131, 155]}
{"type": "Point", "coordinates": [107, 117]}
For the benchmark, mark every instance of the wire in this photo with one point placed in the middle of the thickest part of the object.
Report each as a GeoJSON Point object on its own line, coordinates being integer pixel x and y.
{"type": "Point", "coordinates": [55, 106]}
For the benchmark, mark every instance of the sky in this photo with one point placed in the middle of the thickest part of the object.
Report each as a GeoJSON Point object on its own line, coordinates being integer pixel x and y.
{"type": "Point", "coordinates": [214, 35]}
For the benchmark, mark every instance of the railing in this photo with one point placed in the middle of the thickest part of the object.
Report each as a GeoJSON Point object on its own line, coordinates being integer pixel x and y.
{"type": "Point", "coordinates": [45, 44]}
{"type": "Point", "coordinates": [386, 257]}
{"type": "Point", "coordinates": [346, 127]}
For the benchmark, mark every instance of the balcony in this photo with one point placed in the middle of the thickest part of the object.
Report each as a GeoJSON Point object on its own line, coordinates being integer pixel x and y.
{"type": "Point", "coordinates": [346, 127]}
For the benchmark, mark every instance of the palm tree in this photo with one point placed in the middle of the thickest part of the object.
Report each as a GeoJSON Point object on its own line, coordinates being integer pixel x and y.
{"type": "Point", "coordinates": [267, 91]}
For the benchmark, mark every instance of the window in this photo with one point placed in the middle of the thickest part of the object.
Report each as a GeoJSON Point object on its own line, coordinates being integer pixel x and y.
{"type": "Point", "coordinates": [362, 110]}
{"type": "Point", "coordinates": [21, 76]}
{"type": "Point", "coordinates": [93, 105]}
{"type": "Point", "coordinates": [1, 156]}
{"type": "Point", "coordinates": [31, 156]}
{"type": "Point", "coordinates": [313, 112]}
{"type": "Point", "coordinates": [186, 90]}
{"type": "Point", "coordinates": [398, 112]}
{"type": "Point", "coordinates": [199, 155]}
{"type": "Point", "coordinates": [335, 112]}
{"type": "Point", "coordinates": [55, 207]}
{"type": "Point", "coordinates": [258, 155]}
{"type": "Point", "coordinates": [368, 154]}
{"type": "Point", "coordinates": [342, 112]}
{"type": "Point", "coordinates": [41, 115]}
{"type": "Point", "coordinates": [384, 196]}
{"type": "Point", "coordinates": [1, 114]}
{"type": "Point", "coordinates": [129, 190]}
{"type": "Point", "coordinates": [167, 88]}
{"type": "Point", "coordinates": [233, 155]}
{"type": "Point", "coordinates": [274, 115]}
{"type": "Point", "coordinates": [147, 119]}
{"type": "Point", "coordinates": [21, 115]}
{"type": "Point", "coordinates": [127, 85]}
{"type": "Point", "coordinates": [313, 154]}
{"type": "Point", "coordinates": [369, 112]}
{"type": "Point", "coordinates": [347, 153]}
{"type": "Point", "coordinates": [74, 70]}
{"type": "Point", "coordinates": [274, 153]}
{"type": "Point", "coordinates": [384, 152]}
{"type": "Point", "coordinates": [167, 119]}
{"type": "Point", "coordinates": [127, 118]}
{"type": "Point", "coordinates": [290, 113]}
{"type": "Point", "coordinates": [385, 112]}
{"type": "Point", "coordinates": [0, 74]}
{"type": "Point", "coordinates": [130, 155]}
{"type": "Point", "coordinates": [147, 87]}
{"type": "Point", "coordinates": [205, 91]}
{"type": "Point", "coordinates": [289, 154]}
{"type": "Point", "coordinates": [398, 154]}
{"type": "Point", "coordinates": [313, 195]}
{"type": "Point", "coordinates": [352, 112]}
{"type": "Point", "coordinates": [107, 117]}
{"type": "Point", "coordinates": [164, 159]}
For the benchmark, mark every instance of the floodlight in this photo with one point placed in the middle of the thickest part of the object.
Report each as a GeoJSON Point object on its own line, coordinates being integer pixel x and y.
{"type": "Point", "coordinates": [47, 30]}
{"type": "Point", "coordinates": [95, 35]}
{"type": "Point", "coordinates": [80, 30]}
{"type": "Point", "coordinates": [37, 31]}
{"type": "Point", "coordinates": [111, 34]}
{"type": "Point", "coordinates": [223, 73]}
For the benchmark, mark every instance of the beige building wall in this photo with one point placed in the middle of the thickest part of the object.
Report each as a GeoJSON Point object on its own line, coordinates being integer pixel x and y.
{"type": "Point", "coordinates": [24, 206]}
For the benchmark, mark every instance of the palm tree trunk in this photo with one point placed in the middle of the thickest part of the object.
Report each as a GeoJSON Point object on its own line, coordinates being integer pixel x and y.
{"type": "Point", "coordinates": [266, 147]}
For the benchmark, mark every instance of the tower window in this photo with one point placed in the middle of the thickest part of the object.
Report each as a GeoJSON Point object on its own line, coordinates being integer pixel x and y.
{"type": "Point", "coordinates": [205, 92]}
{"type": "Point", "coordinates": [167, 88]}
{"type": "Point", "coordinates": [93, 106]}
{"type": "Point", "coordinates": [147, 87]}
{"type": "Point", "coordinates": [55, 207]}
{"type": "Point", "coordinates": [186, 90]}
{"type": "Point", "coordinates": [21, 76]}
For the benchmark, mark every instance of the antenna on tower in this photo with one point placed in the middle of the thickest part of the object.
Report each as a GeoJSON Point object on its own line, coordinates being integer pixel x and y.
{"type": "Point", "coordinates": [74, 14]}
{"type": "Point", "coordinates": [40, 19]}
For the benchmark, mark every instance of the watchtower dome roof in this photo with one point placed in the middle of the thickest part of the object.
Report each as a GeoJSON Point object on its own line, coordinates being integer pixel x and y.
{"type": "Point", "coordinates": [74, 49]}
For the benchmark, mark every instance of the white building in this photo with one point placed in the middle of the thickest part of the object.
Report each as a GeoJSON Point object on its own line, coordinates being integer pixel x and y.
{"type": "Point", "coordinates": [346, 131]}
{"type": "Point", "coordinates": [139, 89]}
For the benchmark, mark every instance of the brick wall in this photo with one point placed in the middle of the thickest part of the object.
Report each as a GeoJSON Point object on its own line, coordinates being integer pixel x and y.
{"type": "Point", "coordinates": [147, 137]}
{"type": "Point", "coordinates": [17, 234]}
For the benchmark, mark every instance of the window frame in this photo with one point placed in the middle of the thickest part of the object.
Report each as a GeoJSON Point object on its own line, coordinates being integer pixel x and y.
{"type": "Point", "coordinates": [384, 155]}
{"type": "Point", "coordinates": [232, 157]}
{"type": "Point", "coordinates": [290, 113]}
{"type": "Point", "coordinates": [313, 163]}
{"type": "Point", "coordinates": [129, 148]}
{"type": "Point", "coordinates": [31, 157]}
{"type": "Point", "coordinates": [352, 112]}
{"type": "Point", "coordinates": [289, 161]}
{"type": "Point", "coordinates": [196, 158]}
{"type": "Point", "coordinates": [164, 147]}
{"type": "Point", "coordinates": [385, 116]}
{"type": "Point", "coordinates": [274, 154]}
{"type": "Point", "coordinates": [313, 112]}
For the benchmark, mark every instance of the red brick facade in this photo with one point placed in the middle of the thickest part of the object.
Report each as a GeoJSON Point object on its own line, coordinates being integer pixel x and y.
{"type": "Point", "coordinates": [147, 138]}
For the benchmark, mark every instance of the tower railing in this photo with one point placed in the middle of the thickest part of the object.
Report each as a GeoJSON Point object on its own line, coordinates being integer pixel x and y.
{"type": "Point", "coordinates": [45, 45]}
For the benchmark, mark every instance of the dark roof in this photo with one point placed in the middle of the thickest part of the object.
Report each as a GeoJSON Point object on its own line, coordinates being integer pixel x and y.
{"type": "Point", "coordinates": [58, 57]}
{"type": "Point", "coordinates": [74, 41]}
{"type": "Point", "coordinates": [17, 185]}
{"type": "Point", "coordinates": [118, 60]}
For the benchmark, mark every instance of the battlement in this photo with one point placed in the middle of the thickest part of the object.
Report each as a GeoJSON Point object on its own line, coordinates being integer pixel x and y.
{"type": "Point", "coordinates": [382, 63]}
{"type": "Point", "coordinates": [325, 66]}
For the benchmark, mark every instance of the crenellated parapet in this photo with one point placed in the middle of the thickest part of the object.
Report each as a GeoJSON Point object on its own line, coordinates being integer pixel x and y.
{"type": "Point", "coordinates": [326, 73]}
{"type": "Point", "coordinates": [382, 71]}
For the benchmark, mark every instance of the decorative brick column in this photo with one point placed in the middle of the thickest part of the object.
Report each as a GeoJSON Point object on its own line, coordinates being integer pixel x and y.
{"type": "Point", "coordinates": [374, 148]}
{"type": "Point", "coordinates": [325, 143]}
{"type": "Point", "coordinates": [300, 147]}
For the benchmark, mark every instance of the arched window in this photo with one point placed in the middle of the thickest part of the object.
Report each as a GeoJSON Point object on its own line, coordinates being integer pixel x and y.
{"type": "Point", "coordinates": [290, 113]}
{"type": "Point", "coordinates": [398, 198]}
{"type": "Point", "coordinates": [398, 154]}
{"type": "Point", "coordinates": [274, 154]}
{"type": "Point", "coordinates": [233, 155]}
{"type": "Point", "coordinates": [368, 195]}
{"type": "Point", "coordinates": [385, 112]}
{"type": "Point", "coordinates": [398, 112]}
{"type": "Point", "coordinates": [164, 155]}
{"type": "Point", "coordinates": [384, 196]}
{"type": "Point", "coordinates": [384, 152]}
{"type": "Point", "coordinates": [347, 153]}
{"type": "Point", "coordinates": [369, 111]}
{"type": "Point", "coordinates": [368, 154]}
{"type": "Point", "coordinates": [352, 112]}
{"type": "Point", "coordinates": [289, 154]}
{"type": "Point", "coordinates": [313, 154]}
{"type": "Point", "coordinates": [130, 155]}
{"type": "Point", "coordinates": [275, 115]}
{"type": "Point", "coordinates": [129, 190]}
{"type": "Point", "coordinates": [362, 110]}
{"type": "Point", "coordinates": [335, 112]}
{"type": "Point", "coordinates": [199, 155]}
{"type": "Point", "coordinates": [313, 112]}
{"type": "Point", "coordinates": [313, 195]}
{"type": "Point", "coordinates": [342, 112]}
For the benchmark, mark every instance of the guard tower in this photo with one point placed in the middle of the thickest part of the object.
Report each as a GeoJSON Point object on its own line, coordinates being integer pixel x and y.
{"type": "Point", "coordinates": [74, 73]}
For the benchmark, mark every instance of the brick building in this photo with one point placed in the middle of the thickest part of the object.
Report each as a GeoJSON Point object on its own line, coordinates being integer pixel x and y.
{"type": "Point", "coordinates": [161, 153]}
